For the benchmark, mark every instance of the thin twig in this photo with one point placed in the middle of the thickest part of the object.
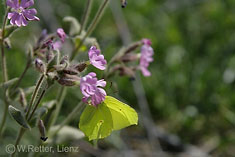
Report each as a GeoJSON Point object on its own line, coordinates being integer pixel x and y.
{"type": "Point", "coordinates": [36, 105]}
{"type": "Point", "coordinates": [60, 98]}
{"type": "Point", "coordinates": [34, 94]}
{"type": "Point", "coordinates": [85, 16]}
{"type": "Point", "coordinates": [91, 28]}
{"type": "Point", "coordinates": [4, 68]}
{"type": "Point", "coordinates": [22, 75]}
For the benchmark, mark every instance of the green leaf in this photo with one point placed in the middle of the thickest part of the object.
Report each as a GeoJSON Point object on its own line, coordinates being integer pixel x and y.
{"type": "Point", "coordinates": [9, 83]}
{"type": "Point", "coordinates": [18, 117]}
{"type": "Point", "coordinates": [99, 122]}
{"type": "Point", "coordinates": [8, 30]}
{"type": "Point", "coordinates": [74, 25]}
{"type": "Point", "coordinates": [122, 114]}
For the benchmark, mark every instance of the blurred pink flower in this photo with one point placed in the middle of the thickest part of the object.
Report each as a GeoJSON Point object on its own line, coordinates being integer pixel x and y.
{"type": "Point", "coordinates": [96, 59]}
{"type": "Point", "coordinates": [146, 57]}
{"type": "Point", "coordinates": [57, 45]}
{"type": "Point", "coordinates": [61, 34]}
{"type": "Point", "coordinates": [90, 88]}
{"type": "Point", "coordinates": [20, 14]}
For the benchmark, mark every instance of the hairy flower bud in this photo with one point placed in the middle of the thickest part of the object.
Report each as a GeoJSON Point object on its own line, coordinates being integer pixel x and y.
{"type": "Point", "coordinates": [69, 80]}
{"type": "Point", "coordinates": [61, 34]}
{"type": "Point", "coordinates": [132, 47]}
{"type": "Point", "coordinates": [40, 66]}
{"type": "Point", "coordinates": [129, 57]}
{"type": "Point", "coordinates": [7, 43]}
{"type": "Point", "coordinates": [42, 36]}
{"type": "Point", "coordinates": [71, 70]}
{"type": "Point", "coordinates": [124, 71]}
{"type": "Point", "coordinates": [124, 3]}
{"type": "Point", "coordinates": [48, 43]}
{"type": "Point", "coordinates": [82, 66]}
{"type": "Point", "coordinates": [42, 130]}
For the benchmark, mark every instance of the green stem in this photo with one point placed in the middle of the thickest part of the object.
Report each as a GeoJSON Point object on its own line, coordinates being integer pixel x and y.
{"type": "Point", "coordinates": [74, 53]}
{"type": "Point", "coordinates": [4, 68]}
{"type": "Point", "coordinates": [4, 118]}
{"type": "Point", "coordinates": [4, 73]}
{"type": "Point", "coordinates": [36, 106]}
{"type": "Point", "coordinates": [34, 94]}
{"type": "Point", "coordinates": [86, 15]}
{"type": "Point", "coordinates": [19, 136]}
{"type": "Point", "coordinates": [69, 118]}
{"type": "Point", "coordinates": [60, 97]}
{"type": "Point", "coordinates": [91, 28]}
{"type": "Point", "coordinates": [22, 75]}
{"type": "Point", "coordinates": [28, 117]}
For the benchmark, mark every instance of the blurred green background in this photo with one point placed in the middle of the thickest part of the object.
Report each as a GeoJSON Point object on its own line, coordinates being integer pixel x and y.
{"type": "Point", "coordinates": [191, 90]}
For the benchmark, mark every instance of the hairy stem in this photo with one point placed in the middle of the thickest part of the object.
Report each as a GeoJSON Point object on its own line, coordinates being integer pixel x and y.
{"type": "Point", "coordinates": [3, 59]}
{"type": "Point", "coordinates": [4, 72]}
{"type": "Point", "coordinates": [36, 106]}
{"type": "Point", "coordinates": [28, 115]}
{"type": "Point", "coordinates": [91, 28]}
{"type": "Point", "coordinates": [38, 85]}
{"type": "Point", "coordinates": [85, 16]}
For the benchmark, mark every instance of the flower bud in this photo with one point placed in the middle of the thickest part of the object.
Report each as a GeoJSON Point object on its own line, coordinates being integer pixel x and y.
{"type": "Point", "coordinates": [82, 66]}
{"type": "Point", "coordinates": [48, 44]}
{"type": "Point", "coordinates": [7, 43]}
{"type": "Point", "coordinates": [129, 57]}
{"type": "Point", "coordinates": [69, 80]}
{"type": "Point", "coordinates": [132, 47]}
{"type": "Point", "coordinates": [125, 71]}
{"type": "Point", "coordinates": [42, 36]}
{"type": "Point", "coordinates": [40, 66]}
{"type": "Point", "coordinates": [42, 130]}
{"type": "Point", "coordinates": [124, 3]}
{"type": "Point", "coordinates": [71, 70]}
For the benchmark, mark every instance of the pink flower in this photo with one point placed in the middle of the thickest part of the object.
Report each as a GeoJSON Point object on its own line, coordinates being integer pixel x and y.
{"type": "Point", "coordinates": [57, 45]}
{"type": "Point", "coordinates": [96, 59]}
{"type": "Point", "coordinates": [20, 14]}
{"type": "Point", "coordinates": [61, 34]}
{"type": "Point", "coordinates": [146, 42]}
{"type": "Point", "coordinates": [90, 88]}
{"type": "Point", "coordinates": [146, 57]}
